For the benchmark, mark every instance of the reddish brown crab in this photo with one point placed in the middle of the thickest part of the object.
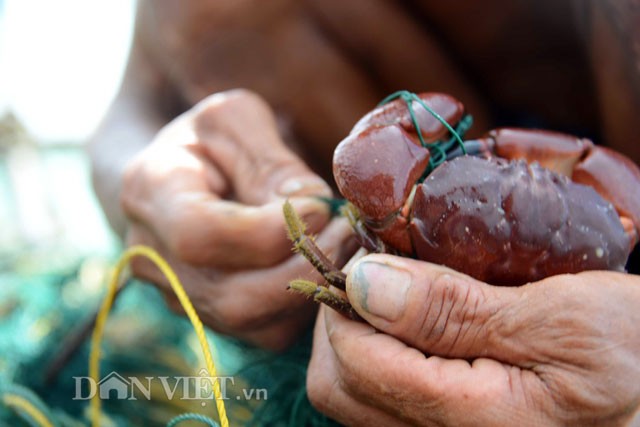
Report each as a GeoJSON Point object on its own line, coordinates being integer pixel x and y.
{"type": "Point", "coordinates": [512, 207]}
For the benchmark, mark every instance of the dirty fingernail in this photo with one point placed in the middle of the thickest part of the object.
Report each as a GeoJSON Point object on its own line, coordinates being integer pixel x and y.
{"type": "Point", "coordinates": [304, 186]}
{"type": "Point", "coordinates": [379, 290]}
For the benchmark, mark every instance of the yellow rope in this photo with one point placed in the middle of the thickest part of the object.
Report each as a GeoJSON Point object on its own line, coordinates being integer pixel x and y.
{"type": "Point", "coordinates": [94, 357]}
{"type": "Point", "coordinates": [20, 403]}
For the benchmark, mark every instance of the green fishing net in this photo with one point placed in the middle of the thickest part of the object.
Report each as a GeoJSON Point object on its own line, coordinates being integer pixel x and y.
{"type": "Point", "coordinates": [50, 286]}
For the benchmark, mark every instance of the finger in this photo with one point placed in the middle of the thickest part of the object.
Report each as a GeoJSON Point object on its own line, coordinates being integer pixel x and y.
{"type": "Point", "coordinates": [177, 191]}
{"type": "Point", "coordinates": [559, 320]}
{"type": "Point", "coordinates": [229, 235]}
{"type": "Point", "coordinates": [279, 335]}
{"type": "Point", "coordinates": [272, 331]}
{"type": "Point", "coordinates": [326, 391]}
{"type": "Point", "coordinates": [173, 163]}
{"type": "Point", "coordinates": [245, 300]}
{"type": "Point", "coordinates": [253, 304]}
{"type": "Point", "coordinates": [433, 308]}
{"type": "Point", "coordinates": [141, 267]}
{"type": "Point", "coordinates": [200, 228]}
{"type": "Point", "coordinates": [144, 269]}
{"type": "Point", "coordinates": [378, 369]}
{"type": "Point", "coordinates": [240, 134]}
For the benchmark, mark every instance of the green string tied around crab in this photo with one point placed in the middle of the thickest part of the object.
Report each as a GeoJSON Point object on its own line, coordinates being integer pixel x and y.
{"type": "Point", "coordinates": [437, 149]}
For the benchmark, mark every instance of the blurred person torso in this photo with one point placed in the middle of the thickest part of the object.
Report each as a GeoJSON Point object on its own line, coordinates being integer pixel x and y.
{"type": "Point", "coordinates": [322, 64]}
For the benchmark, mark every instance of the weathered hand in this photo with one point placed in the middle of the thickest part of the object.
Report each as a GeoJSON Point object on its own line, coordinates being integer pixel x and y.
{"type": "Point", "coordinates": [445, 349]}
{"type": "Point", "coordinates": [208, 193]}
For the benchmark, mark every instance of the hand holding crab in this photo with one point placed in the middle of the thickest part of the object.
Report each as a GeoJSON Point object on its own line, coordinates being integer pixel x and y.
{"type": "Point", "coordinates": [560, 350]}
{"type": "Point", "coordinates": [513, 207]}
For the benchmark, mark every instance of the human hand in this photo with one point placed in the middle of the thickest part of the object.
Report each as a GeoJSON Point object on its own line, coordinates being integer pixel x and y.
{"type": "Point", "coordinates": [207, 193]}
{"type": "Point", "coordinates": [561, 351]}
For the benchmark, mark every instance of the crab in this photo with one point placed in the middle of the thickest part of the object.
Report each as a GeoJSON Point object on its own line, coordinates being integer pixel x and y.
{"type": "Point", "coordinates": [511, 207]}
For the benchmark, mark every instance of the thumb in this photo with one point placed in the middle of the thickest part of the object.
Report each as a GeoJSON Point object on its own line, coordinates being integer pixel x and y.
{"type": "Point", "coordinates": [240, 133]}
{"type": "Point", "coordinates": [432, 308]}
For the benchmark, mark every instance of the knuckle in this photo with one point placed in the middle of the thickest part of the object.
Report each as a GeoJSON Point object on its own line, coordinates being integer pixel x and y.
{"type": "Point", "coordinates": [464, 310]}
{"type": "Point", "coordinates": [435, 314]}
{"type": "Point", "coordinates": [233, 100]}
{"type": "Point", "coordinates": [243, 95]}
{"type": "Point", "coordinates": [244, 98]}
{"type": "Point", "coordinates": [452, 311]}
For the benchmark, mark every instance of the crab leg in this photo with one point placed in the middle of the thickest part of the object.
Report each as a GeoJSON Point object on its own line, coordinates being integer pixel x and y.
{"type": "Point", "coordinates": [323, 295]}
{"type": "Point", "coordinates": [334, 277]}
{"type": "Point", "coordinates": [306, 246]}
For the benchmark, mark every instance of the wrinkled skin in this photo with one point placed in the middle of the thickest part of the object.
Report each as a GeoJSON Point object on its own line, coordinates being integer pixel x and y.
{"type": "Point", "coordinates": [319, 65]}
{"type": "Point", "coordinates": [185, 51]}
{"type": "Point", "coordinates": [563, 351]}
{"type": "Point", "coordinates": [175, 194]}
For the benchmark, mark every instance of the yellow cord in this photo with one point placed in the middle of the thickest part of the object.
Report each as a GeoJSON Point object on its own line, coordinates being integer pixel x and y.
{"type": "Point", "coordinates": [94, 357]}
{"type": "Point", "coordinates": [20, 403]}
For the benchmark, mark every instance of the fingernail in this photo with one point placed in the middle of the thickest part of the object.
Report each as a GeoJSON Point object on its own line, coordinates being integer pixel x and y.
{"type": "Point", "coordinates": [313, 212]}
{"type": "Point", "coordinates": [304, 186]}
{"type": "Point", "coordinates": [379, 289]}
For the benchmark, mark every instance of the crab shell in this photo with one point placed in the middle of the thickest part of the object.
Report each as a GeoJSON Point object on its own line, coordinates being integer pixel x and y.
{"type": "Point", "coordinates": [531, 205]}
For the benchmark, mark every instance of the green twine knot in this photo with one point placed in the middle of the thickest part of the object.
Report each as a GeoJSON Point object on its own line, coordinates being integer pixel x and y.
{"type": "Point", "coordinates": [438, 149]}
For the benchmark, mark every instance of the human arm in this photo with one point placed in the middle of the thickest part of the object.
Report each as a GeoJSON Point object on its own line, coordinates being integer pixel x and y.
{"type": "Point", "coordinates": [205, 188]}
{"type": "Point", "coordinates": [146, 101]}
